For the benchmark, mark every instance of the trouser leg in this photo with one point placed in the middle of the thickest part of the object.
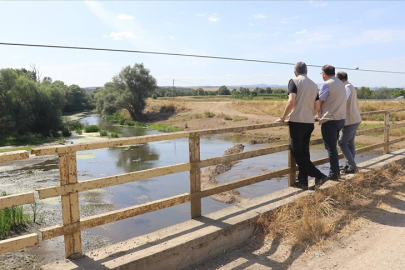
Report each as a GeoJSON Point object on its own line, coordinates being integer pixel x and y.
{"type": "Point", "coordinates": [300, 133]}
{"type": "Point", "coordinates": [330, 133]}
{"type": "Point", "coordinates": [346, 143]}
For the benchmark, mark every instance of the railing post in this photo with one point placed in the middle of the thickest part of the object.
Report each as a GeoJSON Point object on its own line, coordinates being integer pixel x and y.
{"type": "Point", "coordinates": [70, 204]}
{"type": "Point", "coordinates": [195, 175]}
{"type": "Point", "coordinates": [387, 132]}
{"type": "Point", "coordinates": [293, 168]}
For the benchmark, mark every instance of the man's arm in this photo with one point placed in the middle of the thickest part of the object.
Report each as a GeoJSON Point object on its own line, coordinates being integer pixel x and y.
{"type": "Point", "coordinates": [288, 107]}
{"type": "Point", "coordinates": [317, 107]}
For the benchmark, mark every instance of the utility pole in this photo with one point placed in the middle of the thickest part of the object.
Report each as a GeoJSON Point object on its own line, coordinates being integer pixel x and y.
{"type": "Point", "coordinates": [173, 89]}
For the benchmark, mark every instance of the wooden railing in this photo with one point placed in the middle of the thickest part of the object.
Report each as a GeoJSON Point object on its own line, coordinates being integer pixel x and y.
{"type": "Point", "coordinates": [69, 187]}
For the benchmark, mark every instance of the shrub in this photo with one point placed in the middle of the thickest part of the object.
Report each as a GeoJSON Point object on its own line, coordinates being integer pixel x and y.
{"type": "Point", "coordinates": [227, 117]}
{"type": "Point", "coordinates": [113, 135]}
{"type": "Point", "coordinates": [79, 131]}
{"type": "Point", "coordinates": [103, 133]}
{"type": "Point", "coordinates": [168, 108]}
{"type": "Point", "coordinates": [92, 128]}
{"type": "Point", "coordinates": [209, 114]}
{"type": "Point", "coordinates": [66, 132]}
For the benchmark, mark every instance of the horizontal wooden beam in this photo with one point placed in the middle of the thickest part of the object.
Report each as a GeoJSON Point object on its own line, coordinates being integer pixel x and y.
{"type": "Point", "coordinates": [370, 147]}
{"type": "Point", "coordinates": [101, 219]}
{"type": "Point", "coordinates": [244, 182]}
{"type": "Point", "coordinates": [373, 112]}
{"type": "Point", "coordinates": [244, 155]}
{"type": "Point", "coordinates": [396, 110]}
{"type": "Point", "coordinates": [237, 129]}
{"type": "Point", "coordinates": [400, 139]}
{"type": "Point", "coordinates": [17, 243]}
{"type": "Point", "coordinates": [370, 130]}
{"type": "Point", "coordinates": [111, 181]}
{"type": "Point", "coordinates": [397, 125]}
{"type": "Point", "coordinates": [317, 141]}
{"type": "Point", "coordinates": [16, 199]}
{"type": "Point", "coordinates": [52, 150]}
{"type": "Point", "coordinates": [14, 155]}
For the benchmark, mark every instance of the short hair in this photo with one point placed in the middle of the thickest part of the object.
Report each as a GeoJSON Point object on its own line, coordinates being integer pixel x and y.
{"type": "Point", "coordinates": [342, 75]}
{"type": "Point", "coordinates": [300, 68]}
{"type": "Point", "coordinates": [328, 70]}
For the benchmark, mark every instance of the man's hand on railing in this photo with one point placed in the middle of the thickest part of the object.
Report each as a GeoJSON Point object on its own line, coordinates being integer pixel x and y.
{"type": "Point", "coordinates": [281, 119]}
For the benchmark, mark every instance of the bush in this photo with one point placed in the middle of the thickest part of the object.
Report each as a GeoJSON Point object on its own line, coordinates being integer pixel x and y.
{"type": "Point", "coordinates": [154, 96]}
{"type": "Point", "coordinates": [209, 114]}
{"type": "Point", "coordinates": [79, 131]}
{"type": "Point", "coordinates": [92, 128]}
{"type": "Point", "coordinates": [113, 135]}
{"type": "Point", "coordinates": [66, 132]}
{"type": "Point", "coordinates": [103, 133]}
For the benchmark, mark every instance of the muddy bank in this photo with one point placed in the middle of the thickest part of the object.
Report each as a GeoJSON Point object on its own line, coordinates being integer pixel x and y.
{"type": "Point", "coordinates": [208, 179]}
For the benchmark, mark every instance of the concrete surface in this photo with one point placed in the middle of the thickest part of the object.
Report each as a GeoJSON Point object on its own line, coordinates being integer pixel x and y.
{"type": "Point", "coordinates": [196, 240]}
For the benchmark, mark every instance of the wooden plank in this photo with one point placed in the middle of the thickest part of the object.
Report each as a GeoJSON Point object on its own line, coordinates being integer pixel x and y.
{"type": "Point", "coordinates": [105, 218]}
{"type": "Point", "coordinates": [243, 155]}
{"type": "Point", "coordinates": [111, 181]}
{"type": "Point", "coordinates": [293, 168]}
{"type": "Point", "coordinates": [20, 242]}
{"type": "Point", "coordinates": [397, 125]}
{"type": "Point", "coordinates": [370, 130]}
{"type": "Point", "coordinates": [16, 199]}
{"type": "Point", "coordinates": [195, 176]}
{"type": "Point", "coordinates": [317, 141]}
{"type": "Point", "coordinates": [396, 110]}
{"type": "Point", "coordinates": [373, 112]}
{"type": "Point", "coordinates": [14, 155]}
{"type": "Point", "coordinates": [52, 150]}
{"type": "Point", "coordinates": [386, 133]}
{"type": "Point", "coordinates": [237, 129]}
{"type": "Point", "coordinates": [245, 182]}
{"type": "Point", "coordinates": [400, 139]}
{"type": "Point", "coordinates": [370, 147]}
{"type": "Point", "coordinates": [70, 203]}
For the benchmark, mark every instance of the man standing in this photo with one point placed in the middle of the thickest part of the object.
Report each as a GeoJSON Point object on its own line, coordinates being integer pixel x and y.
{"type": "Point", "coordinates": [352, 122]}
{"type": "Point", "coordinates": [301, 106]}
{"type": "Point", "coordinates": [332, 98]}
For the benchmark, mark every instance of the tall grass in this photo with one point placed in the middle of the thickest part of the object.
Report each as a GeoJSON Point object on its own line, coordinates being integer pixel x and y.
{"type": "Point", "coordinates": [12, 219]}
{"type": "Point", "coordinates": [324, 213]}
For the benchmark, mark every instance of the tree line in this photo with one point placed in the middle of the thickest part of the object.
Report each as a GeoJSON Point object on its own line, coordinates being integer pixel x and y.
{"type": "Point", "coordinates": [29, 104]}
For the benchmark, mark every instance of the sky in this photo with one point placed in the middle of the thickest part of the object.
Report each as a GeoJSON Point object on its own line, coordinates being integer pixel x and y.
{"type": "Point", "coordinates": [345, 34]}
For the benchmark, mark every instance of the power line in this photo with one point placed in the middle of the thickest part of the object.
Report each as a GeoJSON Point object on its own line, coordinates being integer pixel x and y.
{"type": "Point", "coordinates": [187, 55]}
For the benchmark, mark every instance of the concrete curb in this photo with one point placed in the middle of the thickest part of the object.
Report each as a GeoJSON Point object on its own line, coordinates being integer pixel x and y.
{"type": "Point", "coordinates": [196, 240]}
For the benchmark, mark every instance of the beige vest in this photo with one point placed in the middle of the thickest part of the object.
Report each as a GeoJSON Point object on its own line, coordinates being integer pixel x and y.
{"type": "Point", "coordinates": [334, 107]}
{"type": "Point", "coordinates": [307, 91]}
{"type": "Point", "coordinates": [352, 109]}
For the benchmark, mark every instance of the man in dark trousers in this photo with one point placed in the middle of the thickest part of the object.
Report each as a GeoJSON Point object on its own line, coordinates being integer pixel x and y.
{"type": "Point", "coordinates": [352, 122]}
{"type": "Point", "coordinates": [332, 98]}
{"type": "Point", "coordinates": [301, 107]}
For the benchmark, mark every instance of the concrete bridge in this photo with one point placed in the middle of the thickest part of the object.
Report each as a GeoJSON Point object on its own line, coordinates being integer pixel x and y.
{"type": "Point", "coordinates": [178, 246]}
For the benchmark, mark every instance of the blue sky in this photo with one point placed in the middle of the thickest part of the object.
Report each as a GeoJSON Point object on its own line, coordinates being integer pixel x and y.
{"type": "Point", "coordinates": [365, 34]}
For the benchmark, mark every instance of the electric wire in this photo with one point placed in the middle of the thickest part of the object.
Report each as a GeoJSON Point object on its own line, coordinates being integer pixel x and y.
{"type": "Point", "coordinates": [186, 55]}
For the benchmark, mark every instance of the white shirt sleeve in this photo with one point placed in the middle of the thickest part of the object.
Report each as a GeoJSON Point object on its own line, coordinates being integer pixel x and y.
{"type": "Point", "coordinates": [348, 91]}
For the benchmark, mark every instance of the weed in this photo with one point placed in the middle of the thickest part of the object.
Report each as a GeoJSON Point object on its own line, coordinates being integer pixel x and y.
{"type": "Point", "coordinates": [92, 128]}
{"type": "Point", "coordinates": [113, 135]}
{"type": "Point", "coordinates": [209, 114]}
{"type": "Point", "coordinates": [12, 219]}
{"type": "Point", "coordinates": [103, 133]}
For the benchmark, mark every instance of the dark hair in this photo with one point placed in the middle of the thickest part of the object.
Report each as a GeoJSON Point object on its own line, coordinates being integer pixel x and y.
{"type": "Point", "coordinates": [329, 70]}
{"type": "Point", "coordinates": [300, 68]}
{"type": "Point", "coordinates": [342, 75]}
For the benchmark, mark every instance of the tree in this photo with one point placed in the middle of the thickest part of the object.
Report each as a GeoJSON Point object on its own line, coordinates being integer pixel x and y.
{"type": "Point", "coordinates": [364, 92]}
{"type": "Point", "coordinates": [223, 90]}
{"type": "Point", "coordinates": [133, 85]}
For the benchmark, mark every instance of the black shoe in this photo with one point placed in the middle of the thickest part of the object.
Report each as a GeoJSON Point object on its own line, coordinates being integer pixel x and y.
{"type": "Point", "coordinates": [320, 181]}
{"type": "Point", "coordinates": [343, 169]}
{"type": "Point", "coordinates": [301, 185]}
{"type": "Point", "coordinates": [334, 177]}
{"type": "Point", "coordinates": [350, 170]}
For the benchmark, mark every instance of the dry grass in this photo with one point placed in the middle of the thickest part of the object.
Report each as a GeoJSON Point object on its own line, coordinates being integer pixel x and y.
{"type": "Point", "coordinates": [276, 108]}
{"type": "Point", "coordinates": [164, 106]}
{"type": "Point", "coordinates": [320, 216]}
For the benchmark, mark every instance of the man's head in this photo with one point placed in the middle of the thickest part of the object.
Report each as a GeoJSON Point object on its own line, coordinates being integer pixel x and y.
{"type": "Point", "coordinates": [342, 76]}
{"type": "Point", "coordinates": [300, 68]}
{"type": "Point", "coordinates": [327, 72]}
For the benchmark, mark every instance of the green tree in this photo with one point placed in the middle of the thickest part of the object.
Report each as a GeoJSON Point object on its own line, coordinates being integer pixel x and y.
{"type": "Point", "coordinates": [133, 85]}
{"type": "Point", "coordinates": [223, 90]}
{"type": "Point", "coordinates": [364, 92]}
